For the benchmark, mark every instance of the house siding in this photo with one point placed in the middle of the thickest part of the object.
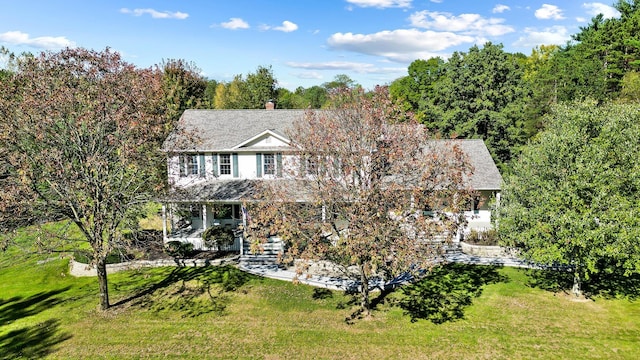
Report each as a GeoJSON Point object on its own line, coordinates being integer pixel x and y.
{"type": "Point", "coordinates": [246, 135]}
{"type": "Point", "coordinates": [246, 167]}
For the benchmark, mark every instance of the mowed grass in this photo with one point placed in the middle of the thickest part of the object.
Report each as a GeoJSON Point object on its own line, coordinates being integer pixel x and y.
{"type": "Point", "coordinates": [220, 312]}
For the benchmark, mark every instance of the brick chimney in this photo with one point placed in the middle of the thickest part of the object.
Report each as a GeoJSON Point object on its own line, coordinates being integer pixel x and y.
{"type": "Point", "coordinates": [270, 105]}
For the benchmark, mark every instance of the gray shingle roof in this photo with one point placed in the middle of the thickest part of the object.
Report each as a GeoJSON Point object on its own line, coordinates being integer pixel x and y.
{"type": "Point", "coordinates": [233, 191]}
{"type": "Point", "coordinates": [221, 130]}
{"type": "Point", "coordinates": [217, 190]}
{"type": "Point", "coordinates": [485, 172]}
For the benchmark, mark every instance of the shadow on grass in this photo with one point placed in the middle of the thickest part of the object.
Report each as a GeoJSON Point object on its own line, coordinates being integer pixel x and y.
{"type": "Point", "coordinates": [33, 342]}
{"type": "Point", "coordinates": [18, 307]}
{"type": "Point", "coordinates": [608, 284]}
{"type": "Point", "coordinates": [549, 280]}
{"type": "Point", "coordinates": [444, 293]}
{"type": "Point", "coordinates": [30, 342]}
{"type": "Point", "coordinates": [193, 291]}
{"type": "Point", "coordinates": [321, 294]}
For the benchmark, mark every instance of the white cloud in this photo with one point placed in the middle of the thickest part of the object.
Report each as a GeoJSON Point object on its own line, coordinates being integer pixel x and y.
{"type": "Point", "coordinates": [555, 35]}
{"type": "Point", "coordinates": [235, 24]}
{"type": "Point", "coordinates": [382, 4]}
{"type": "Point", "coordinates": [399, 45]}
{"type": "Point", "coordinates": [331, 65]}
{"type": "Point", "coordinates": [499, 8]}
{"type": "Point", "coordinates": [287, 26]}
{"type": "Point", "coordinates": [465, 23]}
{"type": "Point", "coordinates": [357, 67]}
{"type": "Point", "coordinates": [595, 8]}
{"type": "Point", "coordinates": [42, 42]}
{"type": "Point", "coordinates": [547, 12]}
{"type": "Point", "coordinates": [156, 14]}
{"type": "Point", "coordinates": [436, 1]}
{"type": "Point", "coordinates": [313, 75]}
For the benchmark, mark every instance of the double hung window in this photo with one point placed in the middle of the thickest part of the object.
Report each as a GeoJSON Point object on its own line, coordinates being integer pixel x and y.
{"type": "Point", "coordinates": [225, 164]}
{"type": "Point", "coordinates": [269, 163]}
{"type": "Point", "coordinates": [189, 165]}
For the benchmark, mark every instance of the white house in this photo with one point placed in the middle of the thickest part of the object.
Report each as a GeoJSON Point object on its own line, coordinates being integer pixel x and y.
{"type": "Point", "coordinates": [218, 156]}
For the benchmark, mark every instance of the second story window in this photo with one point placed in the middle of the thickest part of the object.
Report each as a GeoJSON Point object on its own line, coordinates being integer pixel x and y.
{"type": "Point", "coordinates": [269, 164]}
{"type": "Point", "coordinates": [225, 164]}
{"type": "Point", "coordinates": [189, 165]}
{"type": "Point", "coordinates": [311, 165]}
{"type": "Point", "coordinates": [192, 164]}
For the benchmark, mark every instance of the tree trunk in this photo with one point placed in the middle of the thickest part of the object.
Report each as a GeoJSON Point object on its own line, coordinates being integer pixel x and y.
{"type": "Point", "coordinates": [101, 269]}
{"type": "Point", "coordinates": [364, 292]}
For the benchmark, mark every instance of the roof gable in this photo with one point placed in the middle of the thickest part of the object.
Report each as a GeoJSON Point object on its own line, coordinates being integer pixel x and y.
{"type": "Point", "coordinates": [267, 138]}
{"type": "Point", "coordinates": [225, 130]}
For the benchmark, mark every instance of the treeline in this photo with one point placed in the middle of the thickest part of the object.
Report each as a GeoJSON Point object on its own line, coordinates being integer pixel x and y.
{"type": "Point", "coordinates": [484, 92]}
{"type": "Point", "coordinates": [186, 88]}
{"type": "Point", "coordinates": [502, 97]}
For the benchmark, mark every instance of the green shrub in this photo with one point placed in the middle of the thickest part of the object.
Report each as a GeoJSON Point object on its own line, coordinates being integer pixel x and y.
{"type": "Point", "coordinates": [218, 236]}
{"type": "Point", "coordinates": [179, 249]}
{"type": "Point", "coordinates": [115, 257]}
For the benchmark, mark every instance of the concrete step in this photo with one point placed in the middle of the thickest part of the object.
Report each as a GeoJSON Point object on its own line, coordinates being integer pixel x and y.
{"type": "Point", "coordinates": [258, 260]}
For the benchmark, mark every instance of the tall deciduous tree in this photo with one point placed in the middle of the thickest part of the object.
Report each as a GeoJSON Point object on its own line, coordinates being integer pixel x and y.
{"type": "Point", "coordinates": [416, 91]}
{"type": "Point", "coordinates": [573, 198]}
{"type": "Point", "coordinates": [252, 93]}
{"type": "Point", "coordinates": [366, 173]}
{"type": "Point", "coordinates": [315, 97]}
{"type": "Point", "coordinates": [339, 83]}
{"type": "Point", "coordinates": [540, 75]}
{"type": "Point", "coordinates": [260, 87]}
{"type": "Point", "coordinates": [184, 87]}
{"type": "Point", "coordinates": [82, 131]}
{"type": "Point", "coordinates": [483, 95]}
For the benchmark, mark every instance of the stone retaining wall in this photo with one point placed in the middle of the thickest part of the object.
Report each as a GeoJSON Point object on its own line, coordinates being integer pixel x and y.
{"type": "Point", "coordinates": [79, 269]}
{"type": "Point", "coordinates": [487, 251]}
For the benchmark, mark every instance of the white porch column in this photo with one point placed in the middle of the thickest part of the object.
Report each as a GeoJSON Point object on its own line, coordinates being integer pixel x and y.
{"type": "Point", "coordinates": [204, 216]}
{"type": "Point", "coordinates": [171, 220]}
{"type": "Point", "coordinates": [244, 229]}
{"type": "Point", "coordinates": [164, 222]}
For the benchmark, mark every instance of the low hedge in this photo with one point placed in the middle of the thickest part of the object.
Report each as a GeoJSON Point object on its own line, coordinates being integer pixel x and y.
{"type": "Point", "coordinates": [86, 257]}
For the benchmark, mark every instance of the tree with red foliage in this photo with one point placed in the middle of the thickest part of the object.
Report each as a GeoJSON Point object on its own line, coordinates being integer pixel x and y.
{"type": "Point", "coordinates": [355, 198]}
{"type": "Point", "coordinates": [81, 130]}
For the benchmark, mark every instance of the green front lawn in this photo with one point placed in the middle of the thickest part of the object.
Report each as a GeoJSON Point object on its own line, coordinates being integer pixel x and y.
{"type": "Point", "coordinates": [218, 312]}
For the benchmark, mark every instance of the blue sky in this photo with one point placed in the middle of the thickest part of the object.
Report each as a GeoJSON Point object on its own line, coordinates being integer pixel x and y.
{"type": "Point", "coordinates": [306, 42]}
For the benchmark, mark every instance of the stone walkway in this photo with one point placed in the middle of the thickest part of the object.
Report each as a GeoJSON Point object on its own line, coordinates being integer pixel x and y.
{"type": "Point", "coordinates": [80, 269]}
{"type": "Point", "coordinates": [498, 261]}
{"type": "Point", "coordinates": [337, 283]}
{"type": "Point", "coordinates": [273, 271]}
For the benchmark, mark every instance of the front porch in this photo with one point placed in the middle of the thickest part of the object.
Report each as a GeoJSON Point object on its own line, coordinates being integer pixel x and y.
{"type": "Point", "coordinates": [478, 220]}
{"type": "Point", "coordinates": [194, 237]}
{"type": "Point", "coordinates": [187, 223]}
